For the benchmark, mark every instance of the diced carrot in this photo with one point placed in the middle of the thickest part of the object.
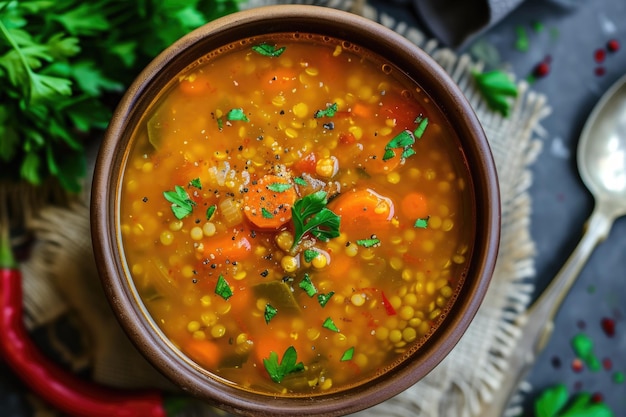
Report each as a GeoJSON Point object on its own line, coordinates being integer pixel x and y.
{"type": "Point", "coordinates": [306, 164]}
{"type": "Point", "coordinates": [414, 205]}
{"type": "Point", "coordinates": [194, 85]}
{"type": "Point", "coordinates": [205, 352]}
{"type": "Point", "coordinates": [363, 211]}
{"type": "Point", "coordinates": [233, 246]}
{"type": "Point", "coordinates": [267, 204]}
{"type": "Point", "coordinates": [403, 110]}
{"type": "Point", "coordinates": [361, 110]}
{"type": "Point", "coordinates": [346, 138]}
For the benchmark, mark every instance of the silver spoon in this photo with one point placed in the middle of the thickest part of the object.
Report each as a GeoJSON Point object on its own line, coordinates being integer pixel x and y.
{"type": "Point", "coordinates": [602, 165]}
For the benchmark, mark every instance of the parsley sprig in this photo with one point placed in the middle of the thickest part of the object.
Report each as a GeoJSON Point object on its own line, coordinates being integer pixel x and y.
{"type": "Point", "coordinates": [555, 402]}
{"type": "Point", "coordinates": [287, 365]}
{"type": "Point", "coordinates": [64, 63]}
{"type": "Point", "coordinates": [182, 204]}
{"type": "Point", "coordinates": [310, 215]}
{"type": "Point", "coordinates": [497, 88]}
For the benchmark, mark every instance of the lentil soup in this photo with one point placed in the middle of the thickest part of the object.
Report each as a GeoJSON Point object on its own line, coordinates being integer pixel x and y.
{"type": "Point", "coordinates": [295, 214]}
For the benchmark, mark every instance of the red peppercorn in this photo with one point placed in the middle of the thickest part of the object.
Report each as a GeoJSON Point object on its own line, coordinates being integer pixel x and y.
{"type": "Point", "coordinates": [608, 325]}
{"type": "Point", "coordinates": [599, 55]}
{"type": "Point", "coordinates": [612, 45]}
{"type": "Point", "coordinates": [600, 71]}
{"type": "Point", "coordinates": [577, 365]}
{"type": "Point", "coordinates": [607, 364]}
{"type": "Point", "coordinates": [597, 398]}
{"type": "Point", "coordinates": [542, 69]}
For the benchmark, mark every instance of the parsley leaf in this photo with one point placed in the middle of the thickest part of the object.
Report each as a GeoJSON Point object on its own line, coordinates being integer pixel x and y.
{"type": "Point", "coordinates": [182, 204]}
{"type": "Point", "coordinates": [222, 288]}
{"type": "Point", "coordinates": [324, 298]}
{"type": "Point", "coordinates": [421, 223]}
{"type": "Point", "coordinates": [310, 215]}
{"type": "Point", "coordinates": [307, 285]}
{"type": "Point", "coordinates": [309, 255]}
{"type": "Point", "coordinates": [270, 313]}
{"type": "Point", "coordinates": [266, 213]}
{"type": "Point", "coordinates": [330, 325]}
{"type": "Point", "coordinates": [277, 371]}
{"type": "Point", "coordinates": [279, 187]}
{"type": "Point", "coordinates": [329, 111]}
{"type": "Point", "coordinates": [347, 355]}
{"type": "Point", "coordinates": [210, 211]}
{"type": "Point", "coordinates": [554, 402]}
{"type": "Point", "coordinates": [266, 49]}
{"type": "Point", "coordinates": [300, 181]}
{"type": "Point", "coordinates": [497, 88]}
{"type": "Point", "coordinates": [236, 115]}
{"type": "Point", "coordinates": [368, 243]}
{"type": "Point", "coordinates": [403, 140]}
{"type": "Point", "coordinates": [196, 183]}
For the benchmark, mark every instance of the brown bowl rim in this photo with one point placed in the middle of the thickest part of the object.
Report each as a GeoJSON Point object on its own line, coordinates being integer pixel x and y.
{"type": "Point", "coordinates": [397, 49]}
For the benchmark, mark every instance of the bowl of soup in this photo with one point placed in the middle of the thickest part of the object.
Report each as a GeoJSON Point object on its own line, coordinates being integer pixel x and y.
{"type": "Point", "coordinates": [294, 210]}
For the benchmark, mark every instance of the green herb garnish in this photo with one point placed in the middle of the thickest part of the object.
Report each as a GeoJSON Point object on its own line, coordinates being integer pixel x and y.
{"type": "Point", "coordinates": [300, 181]}
{"type": "Point", "coordinates": [497, 88]}
{"type": "Point", "coordinates": [403, 140]}
{"type": "Point", "coordinates": [422, 124]}
{"type": "Point", "coordinates": [583, 347]}
{"type": "Point", "coordinates": [555, 402]}
{"type": "Point", "coordinates": [210, 211]}
{"type": "Point", "coordinates": [330, 325]}
{"type": "Point", "coordinates": [324, 298]}
{"type": "Point", "coordinates": [266, 49]}
{"type": "Point", "coordinates": [223, 289]}
{"type": "Point", "coordinates": [279, 187]}
{"type": "Point", "coordinates": [347, 355]}
{"type": "Point", "coordinates": [310, 215]}
{"type": "Point", "coordinates": [368, 243]}
{"type": "Point", "coordinates": [422, 222]}
{"type": "Point", "coordinates": [270, 312]}
{"type": "Point", "coordinates": [196, 183]}
{"type": "Point", "coordinates": [309, 255]}
{"type": "Point", "coordinates": [266, 213]}
{"type": "Point", "coordinates": [63, 65]}
{"type": "Point", "coordinates": [329, 111]}
{"type": "Point", "coordinates": [182, 204]}
{"type": "Point", "coordinates": [277, 371]}
{"type": "Point", "coordinates": [236, 115]}
{"type": "Point", "coordinates": [307, 285]}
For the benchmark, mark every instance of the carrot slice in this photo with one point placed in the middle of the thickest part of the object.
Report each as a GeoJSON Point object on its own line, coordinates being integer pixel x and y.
{"type": "Point", "coordinates": [414, 205]}
{"type": "Point", "coordinates": [363, 211]}
{"type": "Point", "coordinates": [267, 204]}
{"type": "Point", "coordinates": [205, 352]}
{"type": "Point", "coordinates": [233, 246]}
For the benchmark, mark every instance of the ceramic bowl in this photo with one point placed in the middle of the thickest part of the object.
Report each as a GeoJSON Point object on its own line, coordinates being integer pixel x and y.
{"type": "Point", "coordinates": [357, 30]}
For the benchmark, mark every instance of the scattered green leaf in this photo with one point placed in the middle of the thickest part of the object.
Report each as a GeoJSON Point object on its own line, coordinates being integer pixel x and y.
{"type": "Point", "coordinates": [310, 254]}
{"type": "Point", "coordinates": [222, 288]}
{"type": "Point", "coordinates": [270, 313]}
{"type": "Point", "coordinates": [368, 243]}
{"type": "Point", "coordinates": [182, 204]}
{"type": "Point", "coordinates": [330, 325]}
{"type": "Point", "coordinates": [307, 285]}
{"type": "Point", "coordinates": [422, 222]}
{"type": "Point", "coordinates": [237, 115]}
{"type": "Point", "coordinates": [497, 88]}
{"type": "Point", "coordinates": [329, 111]}
{"type": "Point", "coordinates": [300, 181]}
{"type": "Point", "coordinates": [210, 211]}
{"type": "Point", "coordinates": [555, 402]}
{"type": "Point", "coordinates": [279, 187]}
{"type": "Point", "coordinates": [323, 299]}
{"type": "Point", "coordinates": [266, 49]}
{"type": "Point", "coordinates": [347, 355]}
{"type": "Point", "coordinates": [266, 213]}
{"type": "Point", "coordinates": [196, 183]}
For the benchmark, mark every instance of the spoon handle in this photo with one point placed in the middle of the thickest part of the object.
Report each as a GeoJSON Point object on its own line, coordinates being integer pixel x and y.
{"type": "Point", "coordinates": [537, 324]}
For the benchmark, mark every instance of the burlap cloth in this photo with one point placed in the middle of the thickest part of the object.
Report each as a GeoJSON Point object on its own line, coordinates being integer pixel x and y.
{"type": "Point", "coordinates": [60, 277]}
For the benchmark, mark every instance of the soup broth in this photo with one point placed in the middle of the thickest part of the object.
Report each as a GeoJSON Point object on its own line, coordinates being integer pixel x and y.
{"type": "Point", "coordinates": [295, 214]}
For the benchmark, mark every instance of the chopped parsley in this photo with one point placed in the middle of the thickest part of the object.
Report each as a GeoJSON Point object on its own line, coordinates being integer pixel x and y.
{"type": "Point", "coordinates": [330, 325]}
{"type": "Point", "coordinates": [555, 402]}
{"type": "Point", "coordinates": [368, 243]}
{"type": "Point", "coordinates": [498, 90]}
{"type": "Point", "coordinates": [182, 204]}
{"type": "Point", "coordinates": [266, 49]}
{"type": "Point", "coordinates": [279, 187]}
{"type": "Point", "coordinates": [422, 222]}
{"type": "Point", "coordinates": [223, 289]}
{"type": "Point", "coordinates": [288, 364]}
{"type": "Point", "coordinates": [266, 213]}
{"type": "Point", "coordinates": [270, 312]}
{"type": "Point", "coordinates": [310, 215]}
{"type": "Point", "coordinates": [310, 254]}
{"type": "Point", "coordinates": [329, 111]}
{"type": "Point", "coordinates": [300, 181]}
{"type": "Point", "coordinates": [324, 298]}
{"type": "Point", "coordinates": [422, 124]}
{"type": "Point", "coordinates": [236, 115]}
{"type": "Point", "coordinates": [210, 211]}
{"type": "Point", "coordinates": [195, 183]}
{"type": "Point", "coordinates": [307, 285]}
{"type": "Point", "coordinates": [347, 355]}
{"type": "Point", "coordinates": [403, 140]}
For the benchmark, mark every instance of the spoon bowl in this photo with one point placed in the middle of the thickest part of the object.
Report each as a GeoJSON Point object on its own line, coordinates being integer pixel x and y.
{"type": "Point", "coordinates": [602, 148]}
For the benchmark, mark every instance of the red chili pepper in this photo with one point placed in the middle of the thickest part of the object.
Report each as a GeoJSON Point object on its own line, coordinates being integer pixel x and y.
{"type": "Point", "coordinates": [58, 387]}
{"type": "Point", "coordinates": [388, 307]}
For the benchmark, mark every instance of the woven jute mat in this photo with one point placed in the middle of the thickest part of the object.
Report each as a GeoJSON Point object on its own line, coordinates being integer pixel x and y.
{"type": "Point", "coordinates": [60, 276]}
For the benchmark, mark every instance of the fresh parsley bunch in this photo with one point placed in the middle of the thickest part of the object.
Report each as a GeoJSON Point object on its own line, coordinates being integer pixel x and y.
{"type": "Point", "coordinates": [63, 66]}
